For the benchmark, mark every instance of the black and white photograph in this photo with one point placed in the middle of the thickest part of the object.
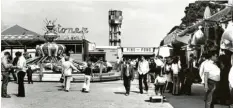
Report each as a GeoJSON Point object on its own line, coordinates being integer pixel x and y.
{"type": "Point", "coordinates": [116, 54]}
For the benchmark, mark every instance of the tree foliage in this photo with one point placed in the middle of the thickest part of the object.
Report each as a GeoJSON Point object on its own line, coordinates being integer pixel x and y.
{"type": "Point", "coordinates": [195, 11]}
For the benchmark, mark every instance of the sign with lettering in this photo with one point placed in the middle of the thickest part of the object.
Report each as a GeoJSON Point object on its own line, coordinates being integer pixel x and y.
{"type": "Point", "coordinates": [71, 33]}
{"type": "Point", "coordinates": [138, 49]}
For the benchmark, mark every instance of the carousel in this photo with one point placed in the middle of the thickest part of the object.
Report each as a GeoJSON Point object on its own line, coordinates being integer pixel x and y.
{"type": "Point", "coordinates": [47, 61]}
{"type": "Point", "coordinates": [49, 55]}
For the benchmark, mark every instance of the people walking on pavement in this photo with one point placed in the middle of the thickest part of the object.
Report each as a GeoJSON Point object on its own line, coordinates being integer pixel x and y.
{"type": "Point", "coordinates": [29, 75]}
{"type": "Point", "coordinates": [67, 68]}
{"type": "Point", "coordinates": [21, 69]}
{"type": "Point", "coordinates": [128, 75]}
{"type": "Point", "coordinates": [5, 67]}
{"type": "Point", "coordinates": [152, 74]}
{"type": "Point", "coordinates": [87, 78]}
{"type": "Point", "coordinates": [160, 83]}
{"type": "Point", "coordinates": [176, 81]}
{"type": "Point", "coordinates": [168, 74]}
{"type": "Point", "coordinates": [143, 69]}
{"type": "Point", "coordinates": [211, 77]}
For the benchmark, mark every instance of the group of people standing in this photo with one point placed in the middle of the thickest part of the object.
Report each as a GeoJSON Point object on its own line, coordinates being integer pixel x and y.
{"type": "Point", "coordinates": [155, 70]}
{"type": "Point", "coordinates": [18, 65]}
{"type": "Point", "coordinates": [216, 72]}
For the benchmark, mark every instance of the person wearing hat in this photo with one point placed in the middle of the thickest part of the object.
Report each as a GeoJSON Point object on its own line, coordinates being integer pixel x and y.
{"type": "Point", "coordinates": [87, 78]}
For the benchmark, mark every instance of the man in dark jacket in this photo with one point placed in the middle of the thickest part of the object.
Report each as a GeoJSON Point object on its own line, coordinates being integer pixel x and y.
{"type": "Point", "coordinates": [152, 71]}
{"type": "Point", "coordinates": [128, 75]}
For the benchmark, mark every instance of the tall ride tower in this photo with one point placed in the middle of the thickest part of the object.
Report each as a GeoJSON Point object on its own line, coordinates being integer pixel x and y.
{"type": "Point", "coordinates": [115, 21]}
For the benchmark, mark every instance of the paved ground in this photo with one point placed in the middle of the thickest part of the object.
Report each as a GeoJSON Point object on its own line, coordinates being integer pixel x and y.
{"type": "Point", "coordinates": [194, 101]}
{"type": "Point", "coordinates": [102, 95]}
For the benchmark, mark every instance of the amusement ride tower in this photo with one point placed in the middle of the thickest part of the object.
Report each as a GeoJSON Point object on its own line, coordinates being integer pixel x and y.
{"type": "Point", "coordinates": [115, 21]}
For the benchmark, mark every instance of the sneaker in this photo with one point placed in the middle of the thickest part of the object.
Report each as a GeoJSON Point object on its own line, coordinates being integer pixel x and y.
{"type": "Point", "coordinates": [83, 90]}
{"type": "Point", "coordinates": [67, 90]}
{"type": "Point", "coordinates": [126, 94]}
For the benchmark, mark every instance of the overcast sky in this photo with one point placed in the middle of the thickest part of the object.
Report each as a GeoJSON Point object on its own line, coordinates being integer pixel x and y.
{"type": "Point", "coordinates": [145, 22]}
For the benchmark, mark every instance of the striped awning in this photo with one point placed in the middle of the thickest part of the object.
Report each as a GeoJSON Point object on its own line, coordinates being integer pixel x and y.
{"type": "Point", "coordinates": [17, 37]}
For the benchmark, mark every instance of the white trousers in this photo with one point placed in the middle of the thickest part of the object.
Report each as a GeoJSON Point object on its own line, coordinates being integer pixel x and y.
{"type": "Point", "coordinates": [87, 82]}
{"type": "Point", "coordinates": [67, 82]}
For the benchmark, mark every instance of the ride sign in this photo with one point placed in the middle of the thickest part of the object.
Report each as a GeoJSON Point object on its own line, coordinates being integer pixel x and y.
{"type": "Point", "coordinates": [71, 33]}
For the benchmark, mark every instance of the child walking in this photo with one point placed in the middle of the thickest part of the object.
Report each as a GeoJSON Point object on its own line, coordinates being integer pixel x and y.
{"type": "Point", "coordinates": [87, 78]}
{"type": "Point", "coordinates": [160, 83]}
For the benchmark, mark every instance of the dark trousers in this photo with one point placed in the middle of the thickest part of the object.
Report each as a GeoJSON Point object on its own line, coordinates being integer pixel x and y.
{"type": "Point", "coordinates": [144, 78]}
{"type": "Point", "coordinates": [13, 74]}
{"type": "Point", "coordinates": [21, 91]}
{"type": "Point", "coordinates": [30, 79]}
{"type": "Point", "coordinates": [176, 85]}
{"type": "Point", "coordinates": [210, 94]}
{"type": "Point", "coordinates": [109, 69]}
{"type": "Point", "coordinates": [159, 87]}
{"type": "Point", "coordinates": [187, 86]}
{"type": "Point", "coordinates": [127, 84]}
{"type": "Point", "coordinates": [152, 76]}
{"type": "Point", "coordinates": [5, 79]}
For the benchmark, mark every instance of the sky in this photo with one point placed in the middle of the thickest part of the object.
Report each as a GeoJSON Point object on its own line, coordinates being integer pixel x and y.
{"type": "Point", "coordinates": [145, 22]}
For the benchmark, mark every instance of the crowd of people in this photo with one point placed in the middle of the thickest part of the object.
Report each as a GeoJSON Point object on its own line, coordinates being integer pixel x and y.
{"type": "Point", "coordinates": [176, 77]}
{"type": "Point", "coordinates": [165, 73]}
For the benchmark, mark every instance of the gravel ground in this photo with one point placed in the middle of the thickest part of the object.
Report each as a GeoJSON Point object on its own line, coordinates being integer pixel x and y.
{"type": "Point", "coordinates": [103, 95]}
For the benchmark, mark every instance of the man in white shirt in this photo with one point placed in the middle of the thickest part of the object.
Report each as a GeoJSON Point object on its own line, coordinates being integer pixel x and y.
{"type": "Point", "coordinates": [201, 70]}
{"type": "Point", "coordinates": [143, 69]}
{"type": "Point", "coordinates": [211, 77]}
{"type": "Point", "coordinates": [230, 79]}
{"type": "Point", "coordinates": [67, 68]}
{"type": "Point", "coordinates": [62, 61]}
{"type": "Point", "coordinates": [21, 69]}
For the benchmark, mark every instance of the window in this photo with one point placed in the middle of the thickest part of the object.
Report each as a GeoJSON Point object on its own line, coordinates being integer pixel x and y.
{"type": "Point", "coordinates": [70, 48]}
{"type": "Point", "coordinates": [78, 49]}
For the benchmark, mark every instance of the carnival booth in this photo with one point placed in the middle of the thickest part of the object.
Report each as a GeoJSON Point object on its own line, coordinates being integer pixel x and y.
{"type": "Point", "coordinates": [214, 36]}
{"type": "Point", "coordinates": [17, 37]}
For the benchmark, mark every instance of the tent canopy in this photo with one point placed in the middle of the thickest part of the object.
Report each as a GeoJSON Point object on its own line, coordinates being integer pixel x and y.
{"type": "Point", "coordinates": [19, 36]}
{"type": "Point", "coordinates": [174, 39]}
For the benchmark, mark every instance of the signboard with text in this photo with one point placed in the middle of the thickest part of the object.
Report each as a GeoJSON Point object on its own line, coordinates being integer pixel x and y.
{"type": "Point", "coordinates": [138, 49]}
{"type": "Point", "coordinates": [65, 33]}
